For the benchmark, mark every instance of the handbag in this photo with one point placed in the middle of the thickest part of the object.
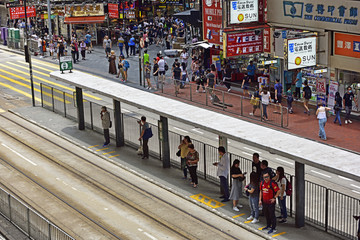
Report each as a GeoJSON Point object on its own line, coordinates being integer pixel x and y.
{"type": "Point", "coordinates": [147, 134]}
{"type": "Point", "coordinates": [178, 153]}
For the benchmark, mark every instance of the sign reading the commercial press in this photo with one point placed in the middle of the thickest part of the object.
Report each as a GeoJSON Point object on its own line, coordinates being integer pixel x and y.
{"type": "Point", "coordinates": [301, 52]}
{"type": "Point", "coordinates": [244, 11]}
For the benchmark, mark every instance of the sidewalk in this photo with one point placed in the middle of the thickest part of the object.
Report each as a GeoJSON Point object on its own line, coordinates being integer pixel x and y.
{"type": "Point", "coordinates": [300, 124]}
{"type": "Point", "coordinates": [205, 195]}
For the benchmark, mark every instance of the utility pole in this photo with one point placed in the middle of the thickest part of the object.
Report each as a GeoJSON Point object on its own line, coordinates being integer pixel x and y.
{"type": "Point", "coordinates": [49, 18]}
{"type": "Point", "coordinates": [28, 56]}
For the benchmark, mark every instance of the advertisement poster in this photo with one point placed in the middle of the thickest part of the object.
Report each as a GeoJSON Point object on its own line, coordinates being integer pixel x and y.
{"type": "Point", "coordinates": [113, 10]}
{"type": "Point", "coordinates": [333, 88]}
{"type": "Point", "coordinates": [216, 60]}
{"type": "Point", "coordinates": [321, 86]}
{"type": "Point", "coordinates": [84, 10]}
{"type": "Point", "coordinates": [347, 45]}
{"type": "Point", "coordinates": [301, 52]}
{"type": "Point", "coordinates": [244, 11]}
{"type": "Point", "coordinates": [267, 39]}
{"type": "Point", "coordinates": [212, 21]}
{"type": "Point", "coordinates": [19, 12]}
{"type": "Point", "coordinates": [244, 43]}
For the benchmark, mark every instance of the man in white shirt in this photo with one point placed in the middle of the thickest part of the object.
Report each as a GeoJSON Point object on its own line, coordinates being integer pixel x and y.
{"type": "Point", "coordinates": [184, 56]}
{"type": "Point", "coordinates": [40, 47]}
{"type": "Point", "coordinates": [162, 64]}
{"type": "Point", "coordinates": [223, 172]}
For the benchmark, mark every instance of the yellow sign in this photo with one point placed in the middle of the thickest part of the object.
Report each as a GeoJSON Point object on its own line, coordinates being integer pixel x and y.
{"type": "Point", "coordinates": [84, 10]}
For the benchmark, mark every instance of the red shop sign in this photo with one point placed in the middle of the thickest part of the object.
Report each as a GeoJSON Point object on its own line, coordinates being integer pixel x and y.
{"type": "Point", "coordinates": [19, 12]}
{"type": "Point", "coordinates": [113, 10]}
{"type": "Point", "coordinates": [244, 43]}
{"type": "Point", "coordinates": [212, 21]}
{"type": "Point", "coordinates": [267, 39]}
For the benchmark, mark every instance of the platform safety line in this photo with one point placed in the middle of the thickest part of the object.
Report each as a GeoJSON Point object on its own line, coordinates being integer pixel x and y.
{"type": "Point", "coordinates": [114, 156]}
{"type": "Point", "coordinates": [261, 228]}
{"type": "Point", "coordinates": [207, 201]}
{"type": "Point", "coordinates": [248, 221]}
{"type": "Point", "coordinates": [108, 152]}
{"type": "Point", "coordinates": [278, 234]}
{"type": "Point", "coordinates": [93, 146]}
{"type": "Point", "coordinates": [52, 65]}
{"type": "Point", "coordinates": [35, 66]}
{"type": "Point", "coordinates": [98, 150]}
{"type": "Point", "coordinates": [242, 214]}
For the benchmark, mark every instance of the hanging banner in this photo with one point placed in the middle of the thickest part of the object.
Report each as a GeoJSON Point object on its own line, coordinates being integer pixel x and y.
{"type": "Point", "coordinates": [19, 12]}
{"type": "Point", "coordinates": [243, 43]}
{"type": "Point", "coordinates": [321, 86]}
{"type": "Point", "coordinates": [301, 52]}
{"type": "Point", "coordinates": [113, 10]}
{"type": "Point", "coordinates": [244, 11]}
{"type": "Point", "coordinates": [333, 88]}
{"type": "Point", "coordinates": [212, 21]}
{"type": "Point", "coordinates": [267, 40]}
{"type": "Point", "coordinates": [347, 45]}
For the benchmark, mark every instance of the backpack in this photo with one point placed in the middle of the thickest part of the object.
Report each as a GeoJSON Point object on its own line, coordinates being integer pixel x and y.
{"type": "Point", "coordinates": [166, 67]}
{"type": "Point", "coordinates": [307, 91]}
{"type": "Point", "coordinates": [288, 189]}
{"type": "Point", "coordinates": [126, 64]}
{"type": "Point", "coordinates": [148, 133]}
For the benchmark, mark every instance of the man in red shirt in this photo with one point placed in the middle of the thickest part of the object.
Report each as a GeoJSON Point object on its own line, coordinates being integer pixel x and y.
{"type": "Point", "coordinates": [269, 191]}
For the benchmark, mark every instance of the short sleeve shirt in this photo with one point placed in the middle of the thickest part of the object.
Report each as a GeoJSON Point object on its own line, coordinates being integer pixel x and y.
{"type": "Point", "coordinates": [348, 97]}
{"type": "Point", "coordinates": [107, 42]}
{"type": "Point", "coordinates": [268, 192]}
{"type": "Point", "coordinates": [280, 183]}
{"type": "Point", "coordinates": [177, 73]}
{"type": "Point", "coordinates": [278, 87]}
{"type": "Point", "coordinates": [235, 170]}
{"type": "Point", "coordinates": [145, 126]}
{"type": "Point", "coordinates": [299, 82]}
{"type": "Point", "coordinates": [256, 191]}
{"type": "Point", "coordinates": [211, 78]}
{"type": "Point", "coordinates": [251, 70]}
{"type": "Point", "coordinates": [192, 156]}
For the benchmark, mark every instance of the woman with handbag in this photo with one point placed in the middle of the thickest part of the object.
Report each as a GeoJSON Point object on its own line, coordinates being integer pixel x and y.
{"type": "Point", "coordinates": [338, 107]}
{"type": "Point", "coordinates": [183, 152]}
{"type": "Point", "coordinates": [236, 188]}
{"type": "Point", "coordinates": [192, 160]}
{"type": "Point", "coordinates": [252, 190]}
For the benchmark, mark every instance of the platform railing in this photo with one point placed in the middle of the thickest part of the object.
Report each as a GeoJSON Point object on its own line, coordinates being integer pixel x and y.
{"type": "Point", "coordinates": [325, 208]}
{"type": "Point", "coordinates": [31, 223]}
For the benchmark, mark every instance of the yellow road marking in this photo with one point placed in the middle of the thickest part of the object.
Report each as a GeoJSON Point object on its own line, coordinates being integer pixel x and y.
{"type": "Point", "coordinates": [49, 82]}
{"type": "Point", "coordinates": [20, 91]}
{"type": "Point", "coordinates": [278, 234]}
{"type": "Point", "coordinates": [46, 64]}
{"type": "Point", "coordinates": [114, 156]}
{"type": "Point", "coordinates": [35, 71]}
{"type": "Point", "coordinates": [248, 221]}
{"type": "Point", "coordinates": [262, 228]}
{"type": "Point", "coordinates": [27, 86]}
{"type": "Point", "coordinates": [101, 149]}
{"type": "Point", "coordinates": [2, 110]}
{"type": "Point", "coordinates": [108, 153]}
{"type": "Point", "coordinates": [93, 146]}
{"type": "Point", "coordinates": [207, 201]}
{"type": "Point", "coordinates": [34, 65]}
{"type": "Point", "coordinates": [242, 214]}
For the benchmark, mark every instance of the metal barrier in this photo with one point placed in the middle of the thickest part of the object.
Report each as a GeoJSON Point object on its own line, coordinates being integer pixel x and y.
{"type": "Point", "coordinates": [29, 221]}
{"type": "Point", "coordinates": [327, 209]}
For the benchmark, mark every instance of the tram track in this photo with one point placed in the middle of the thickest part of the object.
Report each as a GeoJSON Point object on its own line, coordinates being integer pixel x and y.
{"type": "Point", "coordinates": [79, 171]}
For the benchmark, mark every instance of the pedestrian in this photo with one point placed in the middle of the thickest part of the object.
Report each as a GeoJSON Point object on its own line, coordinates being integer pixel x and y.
{"type": "Point", "coordinates": [106, 124]}
{"type": "Point", "coordinates": [256, 165]}
{"type": "Point", "coordinates": [255, 101]}
{"type": "Point", "coordinates": [156, 73]}
{"type": "Point", "coordinates": [252, 189]}
{"type": "Point", "coordinates": [40, 43]}
{"type": "Point", "coordinates": [210, 82]}
{"type": "Point", "coordinates": [176, 77]}
{"type": "Point", "coordinates": [184, 149]}
{"type": "Point", "coordinates": [121, 69]}
{"type": "Point", "coordinates": [112, 65]}
{"type": "Point", "coordinates": [236, 188]}
{"type": "Point", "coordinates": [321, 116]}
{"type": "Point", "coordinates": [265, 100]}
{"type": "Point", "coordinates": [338, 107]}
{"type": "Point", "coordinates": [144, 136]}
{"type": "Point", "coordinates": [307, 95]}
{"type": "Point", "coordinates": [281, 182]}
{"type": "Point", "coordinates": [289, 100]}
{"type": "Point", "coordinates": [126, 65]}
{"type": "Point", "coordinates": [192, 160]}
{"type": "Point", "coordinates": [200, 79]}
{"type": "Point", "coordinates": [147, 74]}
{"type": "Point", "coordinates": [184, 56]}
{"type": "Point", "coordinates": [278, 92]}
{"type": "Point", "coordinates": [264, 165]}
{"type": "Point", "coordinates": [107, 46]}
{"type": "Point", "coordinates": [121, 45]}
{"type": "Point", "coordinates": [269, 192]}
{"type": "Point", "coordinates": [83, 49]}
{"type": "Point", "coordinates": [347, 100]}
{"type": "Point", "coordinates": [223, 172]}
{"type": "Point", "coordinates": [60, 51]}
{"type": "Point", "coordinates": [227, 77]}
{"type": "Point", "coordinates": [126, 43]}
{"type": "Point", "coordinates": [146, 57]}
{"type": "Point", "coordinates": [51, 48]}
{"type": "Point", "coordinates": [132, 46]}
{"type": "Point", "coordinates": [357, 218]}
{"type": "Point", "coordinates": [162, 64]}
{"type": "Point", "coordinates": [73, 52]}
{"type": "Point", "coordinates": [88, 42]}
{"type": "Point", "coordinates": [76, 43]}
{"type": "Point", "coordinates": [298, 84]}
{"type": "Point", "coordinates": [183, 75]}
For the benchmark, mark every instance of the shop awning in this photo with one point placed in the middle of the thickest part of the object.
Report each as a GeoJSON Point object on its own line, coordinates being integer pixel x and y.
{"type": "Point", "coordinates": [191, 16]}
{"type": "Point", "coordinates": [84, 20]}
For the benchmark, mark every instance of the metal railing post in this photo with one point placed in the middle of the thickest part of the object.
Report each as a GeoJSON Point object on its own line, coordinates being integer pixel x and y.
{"type": "Point", "coordinates": [190, 91]}
{"type": "Point", "coordinates": [223, 101]}
{"type": "Point", "coordinates": [49, 231]}
{"type": "Point", "coordinates": [52, 99]}
{"type": "Point", "coordinates": [28, 217]}
{"type": "Point", "coordinates": [206, 96]}
{"type": "Point", "coordinates": [204, 161]}
{"type": "Point", "coordinates": [282, 116]}
{"type": "Point", "coordinates": [241, 108]}
{"type": "Point", "coordinates": [91, 117]}
{"type": "Point", "coordinates": [261, 112]}
{"type": "Point", "coordinates": [291, 197]}
{"type": "Point", "coordinates": [41, 93]}
{"type": "Point", "coordinates": [64, 98]}
{"type": "Point", "coordinates": [326, 210]}
{"type": "Point", "coordinates": [9, 202]}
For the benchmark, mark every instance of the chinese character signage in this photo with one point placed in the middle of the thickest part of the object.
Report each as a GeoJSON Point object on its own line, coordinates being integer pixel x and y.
{"type": "Point", "coordinates": [301, 53]}
{"type": "Point", "coordinates": [334, 15]}
{"type": "Point", "coordinates": [84, 10]}
{"type": "Point", "coordinates": [244, 11]}
{"type": "Point", "coordinates": [244, 43]}
{"type": "Point", "coordinates": [19, 12]}
{"type": "Point", "coordinates": [267, 39]}
{"type": "Point", "coordinates": [113, 10]}
{"type": "Point", "coordinates": [212, 21]}
{"type": "Point", "coordinates": [347, 45]}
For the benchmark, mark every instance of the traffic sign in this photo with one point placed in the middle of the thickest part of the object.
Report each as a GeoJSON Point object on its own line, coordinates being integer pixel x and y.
{"type": "Point", "coordinates": [65, 63]}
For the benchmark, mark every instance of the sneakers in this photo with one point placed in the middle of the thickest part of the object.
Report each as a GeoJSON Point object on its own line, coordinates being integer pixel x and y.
{"type": "Point", "coordinates": [250, 218]}
{"type": "Point", "coordinates": [236, 209]}
{"type": "Point", "coordinates": [251, 114]}
{"type": "Point", "coordinates": [229, 89]}
{"type": "Point", "coordinates": [240, 206]}
{"type": "Point", "coordinates": [266, 228]}
{"type": "Point", "coordinates": [105, 145]}
{"type": "Point", "coordinates": [282, 221]}
{"type": "Point", "coordinates": [255, 220]}
{"type": "Point", "coordinates": [204, 91]}
{"type": "Point", "coordinates": [272, 231]}
{"type": "Point", "coordinates": [349, 121]}
{"type": "Point", "coordinates": [346, 121]}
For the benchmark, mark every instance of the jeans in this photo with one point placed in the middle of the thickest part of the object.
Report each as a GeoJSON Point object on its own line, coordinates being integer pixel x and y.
{"type": "Point", "coordinates": [225, 186]}
{"type": "Point", "coordinates": [337, 117]}
{"type": "Point", "coordinates": [348, 112]}
{"type": "Point", "coordinates": [73, 55]}
{"type": "Point", "coordinates": [145, 148]}
{"type": "Point", "coordinates": [127, 50]}
{"type": "Point", "coordinates": [269, 212]}
{"type": "Point", "coordinates": [183, 80]}
{"type": "Point", "coordinates": [297, 93]}
{"type": "Point", "coordinates": [322, 133]}
{"type": "Point", "coordinates": [107, 136]}
{"type": "Point", "coordinates": [264, 110]}
{"type": "Point", "coordinates": [156, 79]}
{"type": "Point", "coordinates": [282, 204]}
{"type": "Point", "coordinates": [193, 174]}
{"type": "Point", "coordinates": [132, 50]}
{"type": "Point", "coordinates": [254, 206]}
{"type": "Point", "coordinates": [121, 51]}
{"type": "Point", "coordinates": [184, 166]}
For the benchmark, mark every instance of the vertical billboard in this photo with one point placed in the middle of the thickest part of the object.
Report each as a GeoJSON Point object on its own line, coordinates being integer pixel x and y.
{"type": "Point", "coordinates": [212, 21]}
{"type": "Point", "coordinates": [301, 52]}
{"type": "Point", "coordinates": [244, 11]}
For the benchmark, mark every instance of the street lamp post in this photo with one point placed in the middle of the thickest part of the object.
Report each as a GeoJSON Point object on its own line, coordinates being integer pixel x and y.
{"type": "Point", "coordinates": [49, 19]}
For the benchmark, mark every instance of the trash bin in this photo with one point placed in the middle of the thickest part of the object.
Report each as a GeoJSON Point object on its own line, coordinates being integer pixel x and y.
{"type": "Point", "coordinates": [16, 37]}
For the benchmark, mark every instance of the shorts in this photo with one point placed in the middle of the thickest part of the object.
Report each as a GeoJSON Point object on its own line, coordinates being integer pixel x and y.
{"type": "Point", "coordinates": [162, 73]}
{"type": "Point", "coordinates": [306, 100]}
{"type": "Point", "coordinates": [147, 75]}
{"type": "Point", "coordinates": [177, 82]}
{"type": "Point", "coordinates": [251, 77]}
{"type": "Point", "coordinates": [246, 85]}
{"type": "Point", "coordinates": [108, 50]}
{"type": "Point", "coordinates": [279, 99]}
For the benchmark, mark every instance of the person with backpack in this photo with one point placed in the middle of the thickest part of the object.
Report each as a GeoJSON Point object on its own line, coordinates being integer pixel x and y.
{"type": "Point", "coordinates": [126, 65]}
{"type": "Point", "coordinates": [282, 182]}
{"type": "Point", "coordinates": [269, 192]}
{"type": "Point", "coordinates": [145, 135]}
{"type": "Point", "coordinates": [307, 96]}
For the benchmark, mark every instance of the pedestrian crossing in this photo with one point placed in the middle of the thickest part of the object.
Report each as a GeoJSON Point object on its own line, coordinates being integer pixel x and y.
{"type": "Point", "coordinates": [14, 77]}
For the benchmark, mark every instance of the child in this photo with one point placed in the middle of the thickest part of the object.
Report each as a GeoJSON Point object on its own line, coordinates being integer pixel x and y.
{"type": "Point", "coordinates": [290, 99]}
{"type": "Point", "coordinates": [147, 74]}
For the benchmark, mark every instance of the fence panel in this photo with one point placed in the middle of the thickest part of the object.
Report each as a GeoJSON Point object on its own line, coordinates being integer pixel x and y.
{"type": "Point", "coordinates": [4, 204]}
{"type": "Point", "coordinates": [39, 227]}
{"type": "Point", "coordinates": [315, 203]}
{"type": "Point", "coordinates": [18, 213]}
